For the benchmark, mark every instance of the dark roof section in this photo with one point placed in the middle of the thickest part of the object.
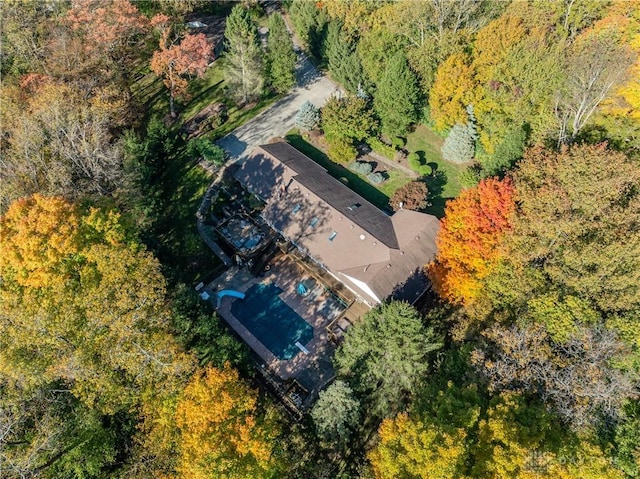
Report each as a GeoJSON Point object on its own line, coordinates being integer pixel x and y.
{"type": "Point", "coordinates": [339, 196]}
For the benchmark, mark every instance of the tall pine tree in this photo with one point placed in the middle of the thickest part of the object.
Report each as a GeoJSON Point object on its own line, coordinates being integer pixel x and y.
{"type": "Point", "coordinates": [243, 57]}
{"type": "Point", "coordinates": [344, 63]}
{"type": "Point", "coordinates": [397, 98]}
{"type": "Point", "coordinates": [281, 58]}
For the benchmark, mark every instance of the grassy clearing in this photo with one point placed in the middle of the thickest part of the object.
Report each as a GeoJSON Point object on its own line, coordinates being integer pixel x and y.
{"type": "Point", "coordinates": [377, 195]}
{"type": "Point", "coordinates": [202, 92]}
{"type": "Point", "coordinates": [446, 182]}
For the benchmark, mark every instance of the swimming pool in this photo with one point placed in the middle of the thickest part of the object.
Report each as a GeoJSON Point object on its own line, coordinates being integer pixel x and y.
{"type": "Point", "coordinates": [272, 321]}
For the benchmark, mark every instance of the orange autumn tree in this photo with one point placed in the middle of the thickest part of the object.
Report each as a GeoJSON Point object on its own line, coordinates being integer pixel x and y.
{"type": "Point", "coordinates": [469, 239]}
{"type": "Point", "coordinates": [175, 62]}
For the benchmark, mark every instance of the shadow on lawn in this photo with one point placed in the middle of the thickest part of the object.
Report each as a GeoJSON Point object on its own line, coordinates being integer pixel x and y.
{"type": "Point", "coordinates": [435, 185]}
{"type": "Point", "coordinates": [353, 181]}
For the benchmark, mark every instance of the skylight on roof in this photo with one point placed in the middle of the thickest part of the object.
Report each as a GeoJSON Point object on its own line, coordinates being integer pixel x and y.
{"type": "Point", "coordinates": [333, 235]}
{"type": "Point", "coordinates": [313, 222]}
{"type": "Point", "coordinates": [354, 206]}
{"type": "Point", "coordinates": [297, 207]}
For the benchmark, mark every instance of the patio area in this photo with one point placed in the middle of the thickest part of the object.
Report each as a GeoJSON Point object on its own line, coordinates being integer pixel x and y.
{"type": "Point", "coordinates": [311, 364]}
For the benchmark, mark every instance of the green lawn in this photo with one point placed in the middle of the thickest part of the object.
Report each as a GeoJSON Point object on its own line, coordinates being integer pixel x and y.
{"type": "Point", "coordinates": [446, 183]}
{"type": "Point", "coordinates": [378, 195]}
{"type": "Point", "coordinates": [202, 92]}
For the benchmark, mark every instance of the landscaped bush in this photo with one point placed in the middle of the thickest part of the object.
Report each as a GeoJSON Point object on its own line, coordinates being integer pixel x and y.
{"type": "Point", "coordinates": [361, 167]}
{"type": "Point", "coordinates": [416, 165]}
{"type": "Point", "coordinates": [342, 151]}
{"type": "Point", "coordinates": [398, 142]}
{"type": "Point", "coordinates": [412, 196]}
{"type": "Point", "coordinates": [381, 148]}
{"type": "Point", "coordinates": [376, 178]}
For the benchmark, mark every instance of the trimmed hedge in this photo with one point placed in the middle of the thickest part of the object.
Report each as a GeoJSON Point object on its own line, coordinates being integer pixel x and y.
{"type": "Point", "coordinates": [381, 148]}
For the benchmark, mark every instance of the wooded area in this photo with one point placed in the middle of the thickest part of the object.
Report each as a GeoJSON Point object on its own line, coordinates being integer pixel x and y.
{"type": "Point", "coordinates": [524, 360]}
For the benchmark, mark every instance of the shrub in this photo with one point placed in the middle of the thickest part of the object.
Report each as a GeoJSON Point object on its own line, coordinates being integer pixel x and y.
{"type": "Point", "coordinates": [308, 116]}
{"type": "Point", "coordinates": [398, 142]}
{"type": "Point", "coordinates": [206, 149]}
{"type": "Point", "coordinates": [376, 178]}
{"type": "Point", "coordinates": [361, 167]}
{"type": "Point", "coordinates": [416, 165]}
{"type": "Point", "coordinates": [381, 148]}
{"type": "Point", "coordinates": [413, 196]}
{"type": "Point", "coordinates": [342, 151]}
{"type": "Point", "coordinates": [471, 175]}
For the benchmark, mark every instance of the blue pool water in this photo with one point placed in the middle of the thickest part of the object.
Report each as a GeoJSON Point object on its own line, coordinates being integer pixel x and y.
{"type": "Point", "coordinates": [272, 321]}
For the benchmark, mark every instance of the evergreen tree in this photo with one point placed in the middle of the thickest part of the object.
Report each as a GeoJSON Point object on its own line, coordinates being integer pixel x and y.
{"type": "Point", "coordinates": [396, 100]}
{"type": "Point", "coordinates": [344, 64]}
{"type": "Point", "coordinates": [459, 146]}
{"type": "Point", "coordinates": [308, 116]}
{"type": "Point", "coordinates": [310, 23]}
{"type": "Point", "coordinates": [243, 57]}
{"type": "Point", "coordinates": [281, 58]}
{"type": "Point", "coordinates": [384, 355]}
{"type": "Point", "coordinates": [336, 413]}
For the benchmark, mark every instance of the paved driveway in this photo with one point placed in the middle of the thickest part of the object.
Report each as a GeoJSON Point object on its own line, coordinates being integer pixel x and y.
{"type": "Point", "coordinates": [279, 118]}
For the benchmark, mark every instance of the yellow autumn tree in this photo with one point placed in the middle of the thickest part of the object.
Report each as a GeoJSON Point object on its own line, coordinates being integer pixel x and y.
{"type": "Point", "coordinates": [408, 448]}
{"type": "Point", "coordinates": [219, 432]}
{"type": "Point", "coordinates": [517, 440]}
{"type": "Point", "coordinates": [81, 302]}
{"type": "Point", "coordinates": [452, 91]}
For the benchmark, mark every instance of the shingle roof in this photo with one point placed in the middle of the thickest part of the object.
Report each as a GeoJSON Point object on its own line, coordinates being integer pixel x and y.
{"type": "Point", "coordinates": [316, 179]}
{"type": "Point", "coordinates": [369, 250]}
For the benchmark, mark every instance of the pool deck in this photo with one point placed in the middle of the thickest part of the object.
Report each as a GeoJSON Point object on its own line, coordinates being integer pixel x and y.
{"type": "Point", "coordinates": [313, 370]}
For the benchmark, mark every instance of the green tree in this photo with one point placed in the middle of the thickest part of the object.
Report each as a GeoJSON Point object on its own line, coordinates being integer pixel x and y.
{"type": "Point", "coordinates": [201, 331]}
{"type": "Point", "coordinates": [348, 117]}
{"type": "Point", "coordinates": [281, 59]}
{"type": "Point", "coordinates": [344, 122]}
{"type": "Point", "coordinates": [344, 64]}
{"type": "Point", "coordinates": [397, 97]}
{"type": "Point", "coordinates": [310, 22]}
{"type": "Point", "coordinates": [577, 220]}
{"type": "Point", "coordinates": [243, 56]}
{"type": "Point", "coordinates": [375, 47]}
{"type": "Point", "coordinates": [385, 355]}
{"type": "Point", "coordinates": [507, 153]}
{"type": "Point", "coordinates": [336, 413]}
{"type": "Point", "coordinates": [48, 433]}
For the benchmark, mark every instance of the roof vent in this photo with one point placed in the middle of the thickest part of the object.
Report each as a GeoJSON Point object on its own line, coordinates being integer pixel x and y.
{"type": "Point", "coordinates": [362, 237]}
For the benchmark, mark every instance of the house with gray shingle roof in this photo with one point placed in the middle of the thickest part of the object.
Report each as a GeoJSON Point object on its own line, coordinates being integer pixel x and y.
{"type": "Point", "coordinates": [374, 254]}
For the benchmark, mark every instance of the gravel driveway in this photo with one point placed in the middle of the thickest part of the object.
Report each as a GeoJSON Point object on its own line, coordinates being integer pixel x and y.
{"type": "Point", "coordinates": [279, 118]}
